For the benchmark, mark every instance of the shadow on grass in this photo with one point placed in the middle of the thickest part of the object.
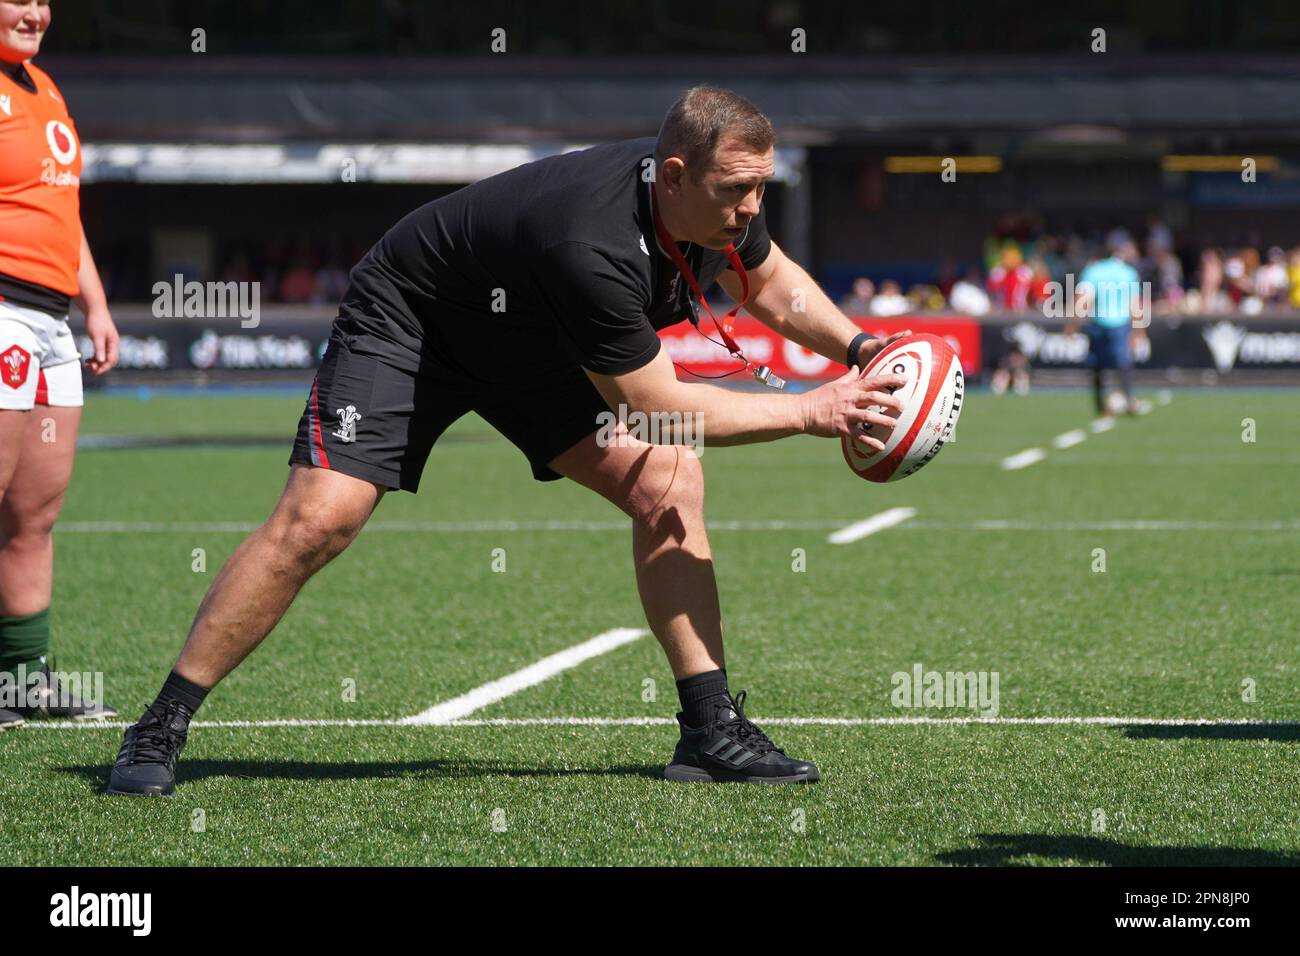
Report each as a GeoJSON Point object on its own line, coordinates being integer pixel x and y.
{"type": "Point", "coordinates": [192, 771]}
{"type": "Point", "coordinates": [1006, 849]}
{"type": "Point", "coordinates": [1213, 732]}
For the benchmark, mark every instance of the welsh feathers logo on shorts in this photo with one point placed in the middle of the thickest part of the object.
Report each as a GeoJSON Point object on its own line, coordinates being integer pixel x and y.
{"type": "Point", "coordinates": [63, 145]}
{"type": "Point", "coordinates": [14, 362]}
{"type": "Point", "coordinates": [348, 418]}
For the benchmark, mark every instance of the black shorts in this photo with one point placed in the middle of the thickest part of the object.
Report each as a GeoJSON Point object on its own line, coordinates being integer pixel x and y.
{"type": "Point", "coordinates": [373, 421]}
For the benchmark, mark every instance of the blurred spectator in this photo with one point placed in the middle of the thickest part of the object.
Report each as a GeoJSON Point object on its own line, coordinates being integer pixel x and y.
{"type": "Point", "coordinates": [858, 302]}
{"type": "Point", "coordinates": [1040, 283]}
{"type": "Point", "coordinates": [1185, 278]}
{"type": "Point", "coordinates": [298, 282]}
{"type": "Point", "coordinates": [1048, 251]}
{"type": "Point", "coordinates": [1237, 272]}
{"type": "Point", "coordinates": [1075, 259]}
{"type": "Point", "coordinates": [890, 300]}
{"type": "Point", "coordinates": [1212, 298]}
{"type": "Point", "coordinates": [1013, 371]}
{"type": "Point", "coordinates": [1272, 283]}
{"type": "Point", "coordinates": [1159, 237]}
{"type": "Point", "coordinates": [1117, 237]}
{"type": "Point", "coordinates": [1293, 273]}
{"type": "Point", "coordinates": [1168, 279]}
{"type": "Point", "coordinates": [329, 284]}
{"type": "Point", "coordinates": [947, 278]}
{"type": "Point", "coordinates": [926, 298]}
{"type": "Point", "coordinates": [968, 295]}
{"type": "Point", "coordinates": [1009, 281]}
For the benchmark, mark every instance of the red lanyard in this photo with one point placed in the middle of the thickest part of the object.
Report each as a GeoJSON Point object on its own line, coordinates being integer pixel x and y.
{"type": "Point", "coordinates": [724, 327]}
{"type": "Point", "coordinates": [761, 372]}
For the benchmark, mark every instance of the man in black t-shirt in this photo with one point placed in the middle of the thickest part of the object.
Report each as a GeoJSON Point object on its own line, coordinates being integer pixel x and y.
{"type": "Point", "coordinates": [502, 307]}
{"type": "Point", "coordinates": [533, 298]}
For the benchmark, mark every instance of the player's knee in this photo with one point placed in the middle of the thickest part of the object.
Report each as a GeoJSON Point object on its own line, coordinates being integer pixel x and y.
{"type": "Point", "coordinates": [669, 480]}
{"type": "Point", "coordinates": [27, 518]}
{"type": "Point", "coordinates": [313, 536]}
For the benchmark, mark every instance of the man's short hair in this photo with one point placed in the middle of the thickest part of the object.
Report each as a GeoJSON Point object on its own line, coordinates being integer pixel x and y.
{"type": "Point", "coordinates": [699, 120]}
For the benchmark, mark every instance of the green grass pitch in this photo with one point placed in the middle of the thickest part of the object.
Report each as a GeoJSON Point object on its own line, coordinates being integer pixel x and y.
{"type": "Point", "coordinates": [1194, 609]}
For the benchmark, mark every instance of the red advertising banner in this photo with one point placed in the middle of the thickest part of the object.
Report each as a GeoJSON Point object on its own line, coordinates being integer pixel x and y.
{"type": "Point", "coordinates": [762, 346]}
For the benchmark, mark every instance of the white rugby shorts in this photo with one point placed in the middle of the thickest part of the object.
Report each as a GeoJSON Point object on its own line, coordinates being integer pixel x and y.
{"type": "Point", "coordinates": [39, 361]}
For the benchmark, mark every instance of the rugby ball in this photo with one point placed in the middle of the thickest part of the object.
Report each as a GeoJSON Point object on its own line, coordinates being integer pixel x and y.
{"type": "Point", "coordinates": [932, 400]}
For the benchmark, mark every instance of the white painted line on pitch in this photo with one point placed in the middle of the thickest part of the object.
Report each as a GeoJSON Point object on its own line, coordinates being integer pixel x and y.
{"type": "Point", "coordinates": [886, 722]}
{"type": "Point", "coordinates": [1023, 459]}
{"type": "Point", "coordinates": [1164, 397]}
{"type": "Point", "coordinates": [117, 527]}
{"type": "Point", "coordinates": [860, 529]}
{"type": "Point", "coordinates": [1135, 525]}
{"type": "Point", "coordinates": [672, 722]}
{"type": "Point", "coordinates": [91, 527]}
{"type": "Point", "coordinates": [1070, 439]}
{"type": "Point", "coordinates": [547, 667]}
{"type": "Point", "coordinates": [441, 527]}
{"type": "Point", "coordinates": [288, 722]}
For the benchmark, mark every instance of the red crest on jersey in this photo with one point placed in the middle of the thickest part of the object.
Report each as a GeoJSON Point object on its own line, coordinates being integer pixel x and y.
{"type": "Point", "coordinates": [14, 362]}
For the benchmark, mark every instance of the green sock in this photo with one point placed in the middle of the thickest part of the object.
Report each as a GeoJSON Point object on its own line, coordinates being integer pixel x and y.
{"type": "Point", "coordinates": [24, 641]}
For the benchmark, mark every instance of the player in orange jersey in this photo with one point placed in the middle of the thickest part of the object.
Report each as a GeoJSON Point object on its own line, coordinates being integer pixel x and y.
{"type": "Point", "coordinates": [45, 264]}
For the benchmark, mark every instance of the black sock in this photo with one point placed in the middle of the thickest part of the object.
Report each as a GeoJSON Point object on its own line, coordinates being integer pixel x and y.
{"type": "Point", "coordinates": [701, 695]}
{"type": "Point", "coordinates": [1096, 391]}
{"type": "Point", "coordinates": [178, 688]}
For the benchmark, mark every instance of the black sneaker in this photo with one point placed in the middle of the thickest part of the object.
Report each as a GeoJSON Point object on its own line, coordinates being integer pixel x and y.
{"type": "Point", "coordinates": [733, 750]}
{"type": "Point", "coordinates": [9, 719]}
{"type": "Point", "coordinates": [146, 764]}
{"type": "Point", "coordinates": [48, 699]}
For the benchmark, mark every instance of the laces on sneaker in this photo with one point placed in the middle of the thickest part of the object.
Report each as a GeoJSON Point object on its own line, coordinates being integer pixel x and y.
{"type": "Point", "coordinates": [154, 740]}
{"type": "Point", "coordinates": [746, 731]}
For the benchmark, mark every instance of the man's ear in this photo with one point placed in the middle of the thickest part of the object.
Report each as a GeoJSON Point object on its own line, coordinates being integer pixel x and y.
{"type": "Point", "coordinates": [670, 173]}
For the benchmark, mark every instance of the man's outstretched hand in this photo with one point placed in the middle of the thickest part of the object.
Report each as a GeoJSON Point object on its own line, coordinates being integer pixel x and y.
{"type": "Point", "coordinates": [841, 408]}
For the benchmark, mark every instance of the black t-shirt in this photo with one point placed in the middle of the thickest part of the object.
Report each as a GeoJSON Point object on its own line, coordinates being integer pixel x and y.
{"type": "Point", "coordinates": [537, 270]}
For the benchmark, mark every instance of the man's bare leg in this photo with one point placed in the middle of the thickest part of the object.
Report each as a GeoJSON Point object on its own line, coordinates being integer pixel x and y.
{"type": "Point", "coordinates": [318, 515]}
{"type": "Point", "coordinates": [29, 506]}
{"type": "Point", "coordinates": [13, 424]}
{"type": "Point", "coordinates": [661, 487]}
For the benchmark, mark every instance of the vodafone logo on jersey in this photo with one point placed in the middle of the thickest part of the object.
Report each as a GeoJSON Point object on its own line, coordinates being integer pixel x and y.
{"type": "Point", "coordinates": [63, 145]}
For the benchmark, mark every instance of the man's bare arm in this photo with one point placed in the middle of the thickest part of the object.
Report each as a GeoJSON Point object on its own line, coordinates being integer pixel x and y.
{"type": "Point", "coordinates": [738, 418]}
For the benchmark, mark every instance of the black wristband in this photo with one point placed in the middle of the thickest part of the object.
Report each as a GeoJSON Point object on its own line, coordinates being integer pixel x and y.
{"type": "Point", "coordinates": [856, 346]}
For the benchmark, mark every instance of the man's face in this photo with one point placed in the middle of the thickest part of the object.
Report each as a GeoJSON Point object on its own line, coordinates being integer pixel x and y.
{"type": "Point", "coordinates": [714, 208]}
{"type": "Point", "coordinates": [22, 25]}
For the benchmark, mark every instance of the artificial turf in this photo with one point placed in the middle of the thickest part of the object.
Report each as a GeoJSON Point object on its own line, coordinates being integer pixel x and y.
{"type": "Point", "coordinates": [1194, 606]}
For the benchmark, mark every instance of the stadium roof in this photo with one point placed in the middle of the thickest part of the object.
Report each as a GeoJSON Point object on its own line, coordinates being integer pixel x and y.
{"type": "Point", "coordinates": [522, 99]}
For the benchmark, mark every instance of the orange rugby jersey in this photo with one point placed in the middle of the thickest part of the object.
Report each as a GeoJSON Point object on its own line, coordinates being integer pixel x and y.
{"type": "Point", "coordinates": [40, 172]}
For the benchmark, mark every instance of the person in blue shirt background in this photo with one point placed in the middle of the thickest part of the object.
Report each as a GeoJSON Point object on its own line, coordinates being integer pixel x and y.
{"type": "Point", "coordinates": [1109, 295]}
